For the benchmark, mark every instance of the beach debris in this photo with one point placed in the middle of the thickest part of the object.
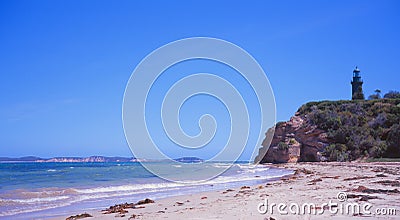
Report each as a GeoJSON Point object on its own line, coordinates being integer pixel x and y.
{"type": "Point", "coordinates": [230, 190]}
{"type": "Point", "coordinates": [331, 177]}
{"type": "Point", "coordinates": [179, 203]}
{"type": "Point", "coordinates": [392, 171]}
{"type": "Point", "coordinates": [381, 175]}
{"type": "Point", "coordinates": [361, 197]}
{"type": "Point", "coordinates": [84, 215]}
{"type": "Point", "coordinates": [245, 187]}
{"type": "Point", "coordinates": [145, 201]}
{"type": "Point", "coordinates": [204, 197]}
{"type": "Point", "coordinates": [365, 198]}
{"type": "Point", "coordinates": [133, 216]}
{"type": "Point", "coordinates": [368, 190]}
{"type": "Point", "coordinates": [315, 180]}
{"type": "Point", "coordinates": [303, 170]}
{"type": "Point", "coordinates": [264, 195]}
{"type": "Point", "coordinates": [161, 211]}
{"type": "Point", "coordinates": [389, 182]}
{"type": "Point", "coordinates": [121, 208]}
{"type": "Point", "coordinates": [358, 178]}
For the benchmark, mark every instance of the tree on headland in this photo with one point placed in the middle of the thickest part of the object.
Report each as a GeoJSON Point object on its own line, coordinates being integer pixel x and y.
{"type": "Point", "coordinates": [392, 95]}
{"type": "Point", "coordinates": [377, 95]}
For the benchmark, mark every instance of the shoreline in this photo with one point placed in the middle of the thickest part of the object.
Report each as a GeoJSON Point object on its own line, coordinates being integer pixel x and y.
{"type": "Point", "coordinates": [374, 183]}
{"type": "Point", "coordinates": [58, 190]}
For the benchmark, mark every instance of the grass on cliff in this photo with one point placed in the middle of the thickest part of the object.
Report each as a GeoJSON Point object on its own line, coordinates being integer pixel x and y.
{"type": "Point", "coordinates": [356, 129]}
{"type": "Point", "coordinates": [383, 160]}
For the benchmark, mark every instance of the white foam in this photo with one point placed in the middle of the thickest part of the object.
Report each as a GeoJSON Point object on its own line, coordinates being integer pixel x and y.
{"type": "Point", "coordinates": [35, 200]}
{"type": "Point", "coordinates": [131, 187]}
{"type": "Point", "coordinates": [31, 209]}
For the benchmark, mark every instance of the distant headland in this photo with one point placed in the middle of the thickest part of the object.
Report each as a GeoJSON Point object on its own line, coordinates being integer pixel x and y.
{"type": "Point", "coordinates": [90, 159]}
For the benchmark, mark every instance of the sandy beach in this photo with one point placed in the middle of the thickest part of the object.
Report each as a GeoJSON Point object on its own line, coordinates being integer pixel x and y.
{"type": "Point", "coordinates": [329, 189]}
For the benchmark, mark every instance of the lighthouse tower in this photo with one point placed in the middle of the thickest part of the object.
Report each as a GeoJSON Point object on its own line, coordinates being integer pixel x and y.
{"type": "Point", "coordinates": [356, 85]}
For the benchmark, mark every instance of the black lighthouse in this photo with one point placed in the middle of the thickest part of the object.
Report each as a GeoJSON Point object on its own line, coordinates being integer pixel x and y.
{"type": "Point", "coordinates": [356, 85]}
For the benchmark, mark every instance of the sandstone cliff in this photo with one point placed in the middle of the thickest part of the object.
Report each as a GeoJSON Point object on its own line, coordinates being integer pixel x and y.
{"type": "Point", "coordinates": [293, 141]}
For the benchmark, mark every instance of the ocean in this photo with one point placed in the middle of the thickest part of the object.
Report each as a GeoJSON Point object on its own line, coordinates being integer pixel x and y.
{"type": "Point", "coordinates": [47, 190]}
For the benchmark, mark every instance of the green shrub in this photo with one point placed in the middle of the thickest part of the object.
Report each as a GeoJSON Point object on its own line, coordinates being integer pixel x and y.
{"type": "Point", "coordinates": [336, 152]}
{"type": "Point", "coordinates": [283, 146]}
{"type": "Point", "coordinates": [378, 150]}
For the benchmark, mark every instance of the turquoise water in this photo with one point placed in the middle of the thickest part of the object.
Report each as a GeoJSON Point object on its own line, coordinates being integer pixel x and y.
{"type": "Point", "coordinates": [41, 190]}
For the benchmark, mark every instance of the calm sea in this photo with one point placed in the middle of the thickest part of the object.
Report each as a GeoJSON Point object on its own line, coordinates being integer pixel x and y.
{"type": "Point", "coordinates": [44, 190]}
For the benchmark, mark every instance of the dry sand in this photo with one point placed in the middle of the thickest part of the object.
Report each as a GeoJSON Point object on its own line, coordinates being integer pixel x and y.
{"type": "Point", "coordinates": [318, 183]}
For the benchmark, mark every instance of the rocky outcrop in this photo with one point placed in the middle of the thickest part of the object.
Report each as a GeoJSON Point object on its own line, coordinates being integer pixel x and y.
{"type": "Point", "coordinates": [293, 141]}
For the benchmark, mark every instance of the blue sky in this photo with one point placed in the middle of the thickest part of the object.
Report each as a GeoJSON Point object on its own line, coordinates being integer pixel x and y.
{"type": "Point", "coordinates": [64, 64]}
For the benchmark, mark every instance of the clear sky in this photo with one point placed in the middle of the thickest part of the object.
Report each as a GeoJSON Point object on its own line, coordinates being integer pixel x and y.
{"type": "Point", "coordinates": [64, 65]}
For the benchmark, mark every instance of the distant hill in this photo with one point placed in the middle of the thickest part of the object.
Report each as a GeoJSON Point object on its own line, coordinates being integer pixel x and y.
{"type": "Point", "coordinates": [336, 131]}
{"type": "Point", "coordinates": [20, 159]}
{"type": "Point", "coordinates": [69, 159]}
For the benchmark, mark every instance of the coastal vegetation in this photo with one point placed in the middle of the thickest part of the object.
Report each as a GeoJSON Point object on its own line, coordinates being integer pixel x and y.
{"type": "Point", "coordinates": [357, 129]}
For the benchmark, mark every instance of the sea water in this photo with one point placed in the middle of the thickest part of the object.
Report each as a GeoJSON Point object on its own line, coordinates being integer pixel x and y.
{"type": "Point", "coordinates": [44, 190]}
